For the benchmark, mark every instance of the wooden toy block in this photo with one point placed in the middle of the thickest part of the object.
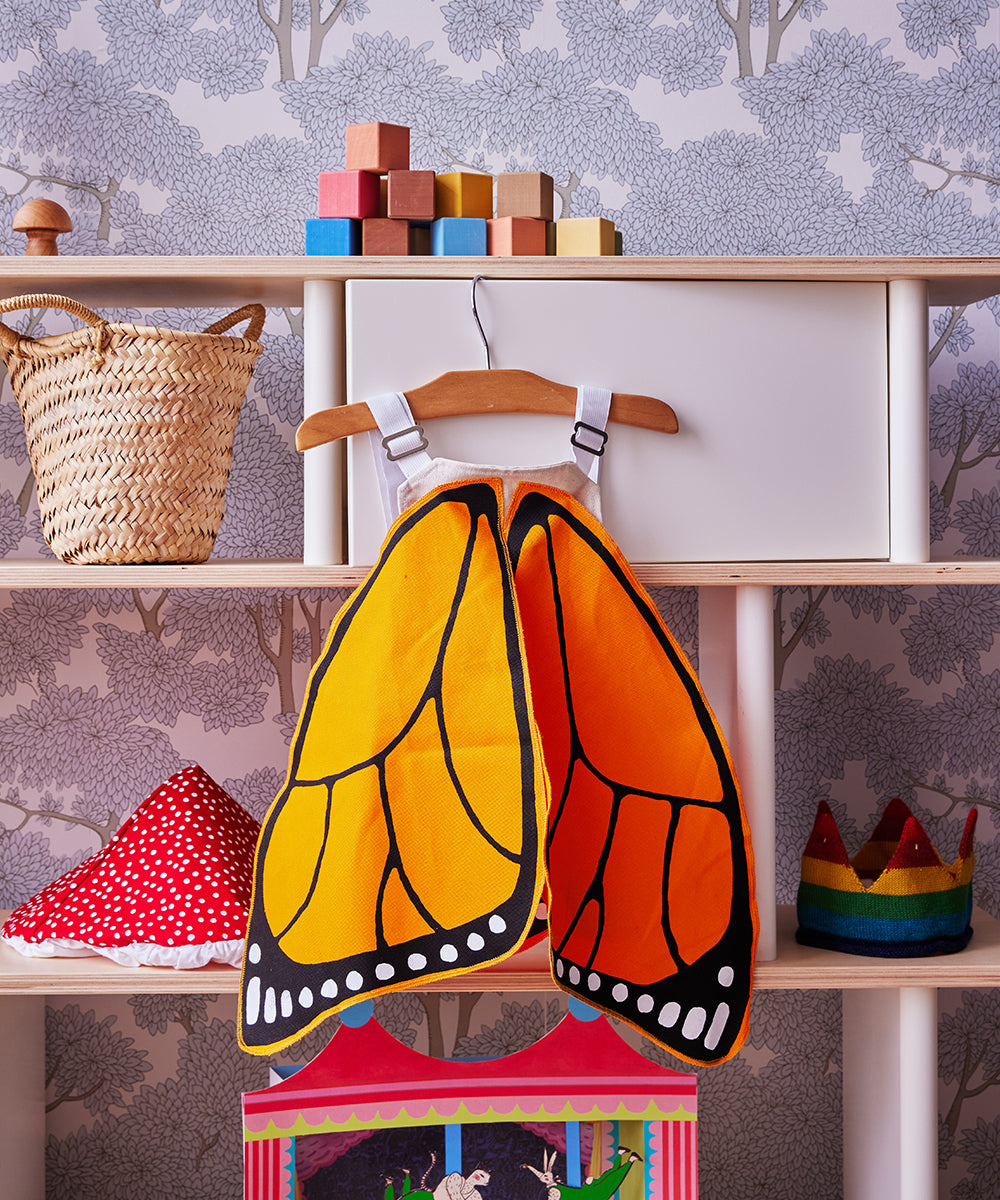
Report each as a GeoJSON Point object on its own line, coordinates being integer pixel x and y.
{"type": "Point", "coordinates": [348, 194]}
{"type": "Point", "coordinates": [410, 195]}
{"type": "Point", "coordinates": [377, 147]}
{"type": "Point", "coordinates": [525, 194]}
{"type": "Point", "coordinates": [463, 194]}
{"type": "Point", "coordinates": [619, 243]}
{"type": "Point", "coordinates": [333, 235]}
{"type": "Point", "coordinates": [459, 235]}
{"type": "Point", "coordinates": [383, 195]}
{"type": "Point", "coordinates": [515, 235]}
{"type": "Point", "coordinates": [585, 236]}
{"type": "Point", "coordinates": [550, 237]}
{"type": "Point", "coordinates": [420, 239]}
{"type": "Point", "coordinates": [381, 235]}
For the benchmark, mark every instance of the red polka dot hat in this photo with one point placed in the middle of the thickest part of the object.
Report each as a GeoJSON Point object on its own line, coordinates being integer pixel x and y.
{"type": "Point", "coordinates": [170, 889]}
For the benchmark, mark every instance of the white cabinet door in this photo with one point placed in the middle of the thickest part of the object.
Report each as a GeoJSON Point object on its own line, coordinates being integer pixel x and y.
{"type": "Point", "coordinates": [779, 388]}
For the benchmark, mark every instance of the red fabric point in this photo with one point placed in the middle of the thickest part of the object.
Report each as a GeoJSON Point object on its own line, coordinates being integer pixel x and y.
{"type": "Point", "coordinates": [177, 873]}
{"type": "Point", "coordinates": [825, 842]}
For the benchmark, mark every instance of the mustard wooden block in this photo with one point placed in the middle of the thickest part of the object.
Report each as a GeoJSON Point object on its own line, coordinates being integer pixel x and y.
{"type": "Point", "coordinates": [380, 235]}
{"type": "Point", "coordinates": [515, 235]}
{"type": "Point", "coordinates": [463, 194]}
{"type": "Point", "coordinates": [525, 194]}
{"type": "Point", "coordinates": [410, 195]}
{"type": "Point", "coordinates": [585, 236]}
{"type": "Point", "coordinates": [377, 147]}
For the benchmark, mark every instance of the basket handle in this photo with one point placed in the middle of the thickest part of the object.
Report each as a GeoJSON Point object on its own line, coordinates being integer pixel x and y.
{"type": "Point", "coordinates": [10, 340]}
{"type": "Point", "coordinates": [254, 312]}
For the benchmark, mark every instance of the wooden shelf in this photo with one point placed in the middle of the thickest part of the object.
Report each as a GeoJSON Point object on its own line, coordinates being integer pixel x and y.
{"type": "Point", "coordinates": [262, 573]}
{"type": "Point", "coordinates": [795, 967]}
{"type": "Point", "coordinates": [158, 281]}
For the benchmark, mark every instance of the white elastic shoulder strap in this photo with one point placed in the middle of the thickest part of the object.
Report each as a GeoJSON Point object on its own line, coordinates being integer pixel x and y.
{"type": "Point", "coordinates": [398, 447]}
{"type": "Point", "coordinates": [589, 437]}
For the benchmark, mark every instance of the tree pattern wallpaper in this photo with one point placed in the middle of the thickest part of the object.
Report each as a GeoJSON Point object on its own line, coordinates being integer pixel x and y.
{"type": "Point", "coordinates": [700, 127]}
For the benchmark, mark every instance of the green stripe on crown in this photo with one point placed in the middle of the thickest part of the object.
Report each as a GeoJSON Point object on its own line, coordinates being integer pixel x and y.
{"type": "Point", "coordinates": [864, 904]}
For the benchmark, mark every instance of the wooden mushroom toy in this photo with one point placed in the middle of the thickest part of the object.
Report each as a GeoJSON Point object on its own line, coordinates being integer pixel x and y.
{"type": "Point", "coordinates": [42, 221]}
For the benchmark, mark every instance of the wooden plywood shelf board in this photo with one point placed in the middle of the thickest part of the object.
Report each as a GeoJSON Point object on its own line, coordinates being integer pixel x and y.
{"type": "Point", "coordinates": [251, 573]}
{"type": "Point", "coordinates": [155, 281]}
{"type": "Point", "coordinates": [795, 967]}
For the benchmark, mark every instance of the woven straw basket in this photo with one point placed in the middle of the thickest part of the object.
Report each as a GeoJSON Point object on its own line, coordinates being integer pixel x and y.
{"type": "Point", "coordinates": [130, 431]}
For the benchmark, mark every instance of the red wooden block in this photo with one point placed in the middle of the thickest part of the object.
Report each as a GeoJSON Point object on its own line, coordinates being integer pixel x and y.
{"type": "Point", "coordinates": [515, 235]}
{"type": "Point", "coordinates": [381, 235]}
{"type": "Point", "coordinates": [411, 195]}
{"type": "Point", "coordinates": [377, 147]}
{"type": "Point", "coordinates": [524, 194]}
{"type": "Point", "coordinates": [348, 194]}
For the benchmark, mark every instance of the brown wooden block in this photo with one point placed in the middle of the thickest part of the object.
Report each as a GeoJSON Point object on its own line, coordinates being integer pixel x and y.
{"type": "Point", "coordinates": [550, 237]}
{"type": "Point", "coordinates": [383, 196]}
{"type": "Point", "coordinates": [420, 239]}
{"type": "Point", "coordinates": [525, 194]}
{"type": "Point", "coordinates": [585, 236]}
{"type": "Point", "coordinates": [380, 235]}
{"type": "Point", "coordinates": [377, 147]}
{"type": "Point", "coordinates": [515, 235]}
{"type": "Point", "coordinates": [353, 194]}
{"type": "Point", "coordinates": [410, 195]}
{"type": "Point", "coordinates": [463, 194]}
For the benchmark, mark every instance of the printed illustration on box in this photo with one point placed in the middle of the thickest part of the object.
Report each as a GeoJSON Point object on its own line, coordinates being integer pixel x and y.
{"type": "Point", "coordinates": [170, 889]}
{"type": "Point", "coordinates": [544, 712]}
{"type": "Point", "coordinates": [895, 898]}
{"type": "Point", "coordinates": [580, 1093]}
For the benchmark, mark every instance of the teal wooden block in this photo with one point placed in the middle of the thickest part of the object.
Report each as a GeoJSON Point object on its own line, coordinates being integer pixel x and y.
{"type": "Point", "coordinates": [459, 235]}
{"type": "Point", "coordinates": [333, 235]}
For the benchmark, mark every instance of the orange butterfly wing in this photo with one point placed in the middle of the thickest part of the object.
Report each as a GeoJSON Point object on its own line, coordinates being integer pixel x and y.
{"type": "Point", "coordinates": [651, 908]}
{"type": "Point", "coordinates": [406, 844]}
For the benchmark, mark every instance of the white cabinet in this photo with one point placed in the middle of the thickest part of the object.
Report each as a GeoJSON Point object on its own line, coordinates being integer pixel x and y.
{"type": "Point", "coordinates": [780, 390]}
{"type": "Point", "coordinates": [784, 380]}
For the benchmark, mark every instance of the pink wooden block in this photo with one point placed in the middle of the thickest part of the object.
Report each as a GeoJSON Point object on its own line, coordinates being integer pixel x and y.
{"type": "Point", "coordinates": [377, 147]}
{"type": "Point", "coordinates": [515, 235]}
{"type": "Point", "coordinates": [353, 194]}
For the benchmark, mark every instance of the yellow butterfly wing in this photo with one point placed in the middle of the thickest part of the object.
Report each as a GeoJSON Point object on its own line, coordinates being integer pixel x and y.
{"type": "Point", "coordinates": [406, 844]}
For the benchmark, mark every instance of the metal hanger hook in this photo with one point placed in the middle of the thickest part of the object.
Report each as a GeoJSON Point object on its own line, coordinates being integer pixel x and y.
{"type": "Point", "coordinates": [479, 324]}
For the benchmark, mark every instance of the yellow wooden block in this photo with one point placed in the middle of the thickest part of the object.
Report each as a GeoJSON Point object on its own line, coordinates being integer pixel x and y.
{"type": "Point", "coordinates": [463, 194]}
{"type": "Point", "coordinates": [585, 236]}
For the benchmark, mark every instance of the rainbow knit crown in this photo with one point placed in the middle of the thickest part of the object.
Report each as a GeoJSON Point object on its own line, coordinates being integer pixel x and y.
{"type": "Point", "coordinates": [894, 899]}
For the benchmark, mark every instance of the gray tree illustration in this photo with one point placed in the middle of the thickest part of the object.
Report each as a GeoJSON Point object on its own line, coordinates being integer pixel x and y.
{"type": "Point", "coordinates": [88, 1061]}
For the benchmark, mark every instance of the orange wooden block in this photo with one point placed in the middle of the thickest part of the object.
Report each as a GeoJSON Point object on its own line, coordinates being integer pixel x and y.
{"type": "Point", "coordinates": [377, 147]}
{"type": "Point", "coordinates": [463, 194]}
{"type": "Point", "coordinates": [525, 194]}
{"type": "Point", "coordinates": [585, 236]}
{"type": "Point", "coordinates": [410, 195]}
{"type": "Point", "coordinates": [380, 235]}
{"type": "Point", "coordinates": [515, 235]}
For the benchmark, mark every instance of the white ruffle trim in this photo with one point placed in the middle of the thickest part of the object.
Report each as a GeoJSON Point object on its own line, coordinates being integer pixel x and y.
{"type": "Point", "coordinates": [138, 954]}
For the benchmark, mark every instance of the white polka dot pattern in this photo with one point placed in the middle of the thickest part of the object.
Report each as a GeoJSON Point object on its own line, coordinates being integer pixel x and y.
{"type": "Point", "coordinates": [177, 874]}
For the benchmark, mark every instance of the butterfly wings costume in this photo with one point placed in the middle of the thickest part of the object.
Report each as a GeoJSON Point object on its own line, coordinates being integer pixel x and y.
{"type": "Point", "coordinates": [500, 716]}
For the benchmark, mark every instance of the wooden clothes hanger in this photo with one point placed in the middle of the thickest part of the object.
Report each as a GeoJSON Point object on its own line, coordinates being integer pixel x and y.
{"type": "Point", "coordinates": [471, 393]}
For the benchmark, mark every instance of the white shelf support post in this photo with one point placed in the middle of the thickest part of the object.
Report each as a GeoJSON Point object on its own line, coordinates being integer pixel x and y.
{"type": "Point", "coordinates": [909, 469]}
{"type": "Point", "coordinates": [22, 1097]}
{"type": "Point", "coordinates": [890, 1068]}
{"type": "Point", "coordinates": [736, 670]}
{"type": "Point", "coordinates": [918, 1082]}
{"type": "Point", "coordinates": [323, 470]}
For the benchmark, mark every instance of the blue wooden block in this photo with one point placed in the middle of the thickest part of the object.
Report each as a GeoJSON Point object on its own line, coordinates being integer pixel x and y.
{"type": "Point", "coordinates": [333, 235]}
{"type": "Point", "coordinates": [459, 235]}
